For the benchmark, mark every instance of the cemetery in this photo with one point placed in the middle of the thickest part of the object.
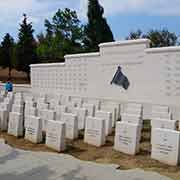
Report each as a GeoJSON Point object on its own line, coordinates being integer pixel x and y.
{"type": "Point", "coordinates": [119, 105]}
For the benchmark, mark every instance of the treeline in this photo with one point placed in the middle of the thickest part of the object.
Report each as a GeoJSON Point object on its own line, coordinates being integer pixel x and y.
{"type": "Point", "coordinates": [65, 34]}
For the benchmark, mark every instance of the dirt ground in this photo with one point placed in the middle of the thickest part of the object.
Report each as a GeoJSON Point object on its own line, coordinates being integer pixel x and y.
{"type": "Point", "coordinates": [105, 154]}
{"type": "Point", "coordinates": [17, 77]}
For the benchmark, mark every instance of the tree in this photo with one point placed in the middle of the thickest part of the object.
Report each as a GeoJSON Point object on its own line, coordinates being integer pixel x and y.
{"type": "Point", "coordinates": [162, 38]}
{"type": "Point", "coordinates": [159, 38]}
{"type": "Point", "coordinates": [97, 30]}
{"type": "Point", "coordinates": [135, 35]}
{"type": "Point", "coordinates": [26, 47]}
{"type": "Point", "coordinates": [63, 36]}
{"type": "Point", "coordinates": [7, 53]}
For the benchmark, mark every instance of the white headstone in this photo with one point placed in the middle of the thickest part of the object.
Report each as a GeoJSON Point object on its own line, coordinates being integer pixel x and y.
{"type": "Point", "coordinates": [90, 109]}
{"type": "Point", "coordinates": [166, 146]}
{"type": "Point", "coordinates": [46, 115]}
{"type": "Point", "coordinates": [30, 111]}
{"type": "Point", "coordinates": [15, 125]}
{"type": "Point", "coordinates": [113, 110]}
{"type": "Point", "coordinates": [164, 123]}
{"type": "Point", "coordinates": [3, 120]}
{"type": "Point", "coordinates": [60, 109]}
{"type": "Point", "coordinates": [160, 108]}
{"type": "Point", "coordinates": [162, 115]}
{"type": "Point", "coordinates": [107, 116]}
{"type": "Point", "coordinates": [18, 109]}
{"type": "Point", "coordinates": [127, 138]}
{"type": "Point", "coordinates": [55, 135]}
{"type": "Point", "coordinates": [33, 130]}
{"type": "Point", "coordinates": [42, 106]}
{"type": "Point", "coordinates": [95, 131]}
{"type": "Point", "coordinates": [30, 104]}
{"type": "Point", "coordinates": [131, 118]}
{"type": "Point", "coordinates": [81, 116]}
{"type": "Point", "coordinates": [71, 122]}
{"type": "Point", "coordinates": [4, 107]}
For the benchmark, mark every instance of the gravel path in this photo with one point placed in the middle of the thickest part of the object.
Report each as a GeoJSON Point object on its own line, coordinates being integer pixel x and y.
{"type": "Point", "coordinates": [26, 165]}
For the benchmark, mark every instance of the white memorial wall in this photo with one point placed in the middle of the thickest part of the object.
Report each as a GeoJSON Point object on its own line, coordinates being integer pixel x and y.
{"type": "Point", "coordinates": [90, 75]}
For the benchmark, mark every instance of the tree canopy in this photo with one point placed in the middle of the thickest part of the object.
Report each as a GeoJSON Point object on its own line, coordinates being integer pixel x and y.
{"type": "Point", "coordinates": [159, 38]}
{"type": "Point", "coordinates": [97, 30]}
{"type": "Point", "coordinates": [26, 47]}
{"type": "Point", "coordinates": [7, 53]}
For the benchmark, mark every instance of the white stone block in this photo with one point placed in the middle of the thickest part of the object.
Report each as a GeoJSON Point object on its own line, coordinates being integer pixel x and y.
{"type": "Point", "coordinates": [53, 103]}
{"type": "Point", "coordinates": [81, 116]}
{"type": "Point", "coordinates": [15, 125]}
{"type": "Point", "coordinates": [46, 115]}
{"type": "Point", "coordinates": [33, 130]}
{"type": "Point", "coordinates": [164, 123]}
{"type": "Point", "coordinates": [30, 104]}
{"type": "Point", "coordinates": [166, 146]}
{"type": "Point", "coordinates": [55, 135]}
{"type": "Point", "coordinates": [4, 107]}
{"type": "Point", "coordinates": [18, 102]}
{"type": "Point", "coordinates": [18, 109]}
{"type": "Point", "coordinates": [42, 106]}
{"type": "Point", "coordinates": [71, 122]}
{"type": "Point", "coordinates": [160, 108]}
{"type": "Point", "coordinates": [162, 115]}
{"type": "Point", "coordinates": [107, 116]}
{"type": "Point", "coordinates": [95, 131]}
{"type": "Point", "coordinates": [41, 101]}
{"type": "Point", "coordinates": [77, 101]}
{"type": "Point", "coordinates": [30, 111]}
{"type": "Point", "coordinates": [3, 120]}
{"type": "Point", "coordinates": [131, 118]}
{"type": "Point", "coordinates": [127, 138]}
{"type": "Point", "coordinates": [113, 110]}
{"type": "Point", "coordinates": [65, 99]}
{"type": "Point", "coordinates": [60, 109]}
{"type": "Point", "coordinates": [90, 109]}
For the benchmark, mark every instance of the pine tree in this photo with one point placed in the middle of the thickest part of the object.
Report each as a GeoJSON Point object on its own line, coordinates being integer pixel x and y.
{"type": "Point", "coordinates": [6, 53]}
{"type": "Point", "coordinates": [97, 30]}
{"type": "Point", "coordinates": [26, 47]}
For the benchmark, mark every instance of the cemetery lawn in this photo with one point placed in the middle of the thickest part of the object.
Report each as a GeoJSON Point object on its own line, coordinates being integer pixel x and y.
{"type": "Point", "coordinates": [105, 154]}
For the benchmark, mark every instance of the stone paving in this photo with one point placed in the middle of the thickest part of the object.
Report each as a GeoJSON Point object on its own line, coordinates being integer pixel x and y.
{"type": "Point", "coordinates": [17, 164]}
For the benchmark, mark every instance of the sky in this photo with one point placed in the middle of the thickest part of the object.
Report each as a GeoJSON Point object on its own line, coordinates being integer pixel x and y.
{"type": "Point", "coordinates": [123, 16]}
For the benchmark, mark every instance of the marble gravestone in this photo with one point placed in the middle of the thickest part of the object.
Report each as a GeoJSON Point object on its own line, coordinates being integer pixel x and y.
{"type": "Point", "coordinates": [134, 109]}
{"type": "Point", "coordinates": [90, 109]}
{"type": "Point", "coordinates": [71, 122]}
{"type": "Point", "coordinates": [95, 131]}
{"type": "Point", "coordinates": [18, 109]}
{"type": "Point", "coordinates": [113, 110]}
{"type": "Point", "coordinates": [60, 109]}
{"type": "Point", "coordinates": [30, 111]}
{"type": "Point", "coordinates": [30, 104]}
{"type": "Point", "coordinates": [15, 125]}
{"type": "Point", "coordinates": [107, 116]}
{"type": "Point", "coordinates": [164, 124]}
{"type": "Point", "coordinates": [127, 138]}
{"type": "Point", "coordinates": [33, 130]}
{"type": "Point", "coordinates": [3, 120]}
{"type": "Point", "coordinates": [131, 118]}
{"type": "Point", "coordinates": [55, 135]}
{"type": "Point", "coordinates": [46, 115]}
{"type": "Point", "coordinates": [81, 116]}
{"type": "Point", "coordinates": [166, 146]}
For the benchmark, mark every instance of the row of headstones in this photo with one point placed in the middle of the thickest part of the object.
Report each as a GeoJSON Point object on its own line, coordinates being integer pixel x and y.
{"type": "Point", "coordinates": [165, 137]}
{"type": "Point", "coordinates": [127, 134]}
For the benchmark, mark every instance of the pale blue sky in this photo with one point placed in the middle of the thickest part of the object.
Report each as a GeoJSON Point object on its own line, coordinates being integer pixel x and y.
{"type": "Point", "coordinates": [123, 15]}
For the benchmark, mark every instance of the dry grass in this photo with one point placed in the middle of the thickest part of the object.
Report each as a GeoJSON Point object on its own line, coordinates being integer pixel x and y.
{"type": "Point", "coordinates": [17, 77]}
{"type": "Point", "coordinates": [105, 154]}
